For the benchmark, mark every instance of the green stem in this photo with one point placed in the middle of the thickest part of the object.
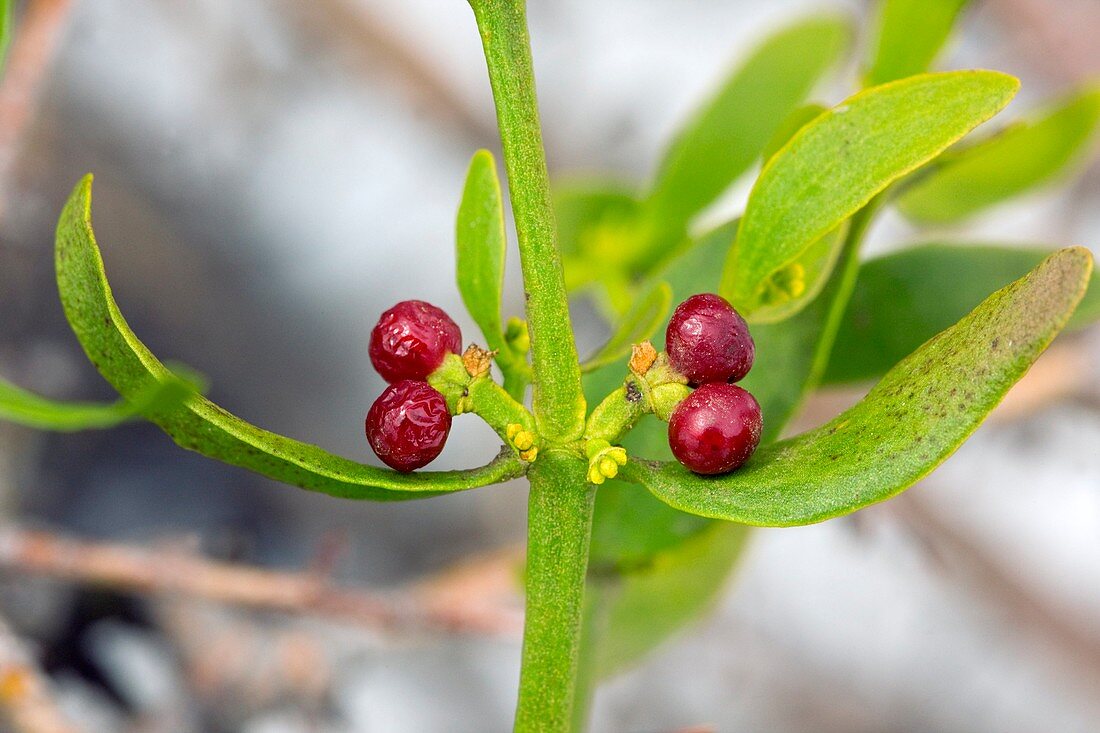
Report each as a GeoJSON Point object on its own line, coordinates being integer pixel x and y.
{"type": "Point", "coordinates": [557, 399]}
{"type": "Point", "coordinates": [559, 521]}
{"type": "Point", "coordinates": [594, 624]}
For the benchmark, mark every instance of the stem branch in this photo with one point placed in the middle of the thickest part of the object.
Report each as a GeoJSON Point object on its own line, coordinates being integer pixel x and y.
{"type": "Point", "coordinates": [559, 521]}
{"type": "Point", "coordinates": [557, 399]}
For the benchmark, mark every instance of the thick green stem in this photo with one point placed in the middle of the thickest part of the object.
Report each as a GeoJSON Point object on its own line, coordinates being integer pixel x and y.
{"type": "Point", "coordinates": [557, 399]}
{"type": "Point", "coordinates": [559, 521]}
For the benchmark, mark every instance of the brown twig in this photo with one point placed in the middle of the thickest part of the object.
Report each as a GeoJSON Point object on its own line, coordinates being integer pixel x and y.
{"type": "Point", "coordinates": [366, 41]}
{"type": "Point", "coordinates": [25, 699]}
{"type": "Point", "coordinates": [160, 571]}
{"type": "Point", "coordinates": [1041, 619]}
{"type": "Point", "coordinates": [33, 46]}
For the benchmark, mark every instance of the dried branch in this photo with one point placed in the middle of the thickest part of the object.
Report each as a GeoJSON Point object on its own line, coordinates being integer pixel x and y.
{"type": "Point", "coordinates": [1041, 619]}
{"type": "Point", "coordinates": [25, 699]}
{"type": "Point", "coordinates": [170, 571]}
{"type": "Point", "coordinates": [35, 41]}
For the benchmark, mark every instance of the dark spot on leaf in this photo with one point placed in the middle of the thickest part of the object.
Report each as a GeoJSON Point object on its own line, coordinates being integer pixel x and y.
{"type": "Point", "coordinates": [632, 393]}
{"type": "Point", "coordinates": [995, 343]}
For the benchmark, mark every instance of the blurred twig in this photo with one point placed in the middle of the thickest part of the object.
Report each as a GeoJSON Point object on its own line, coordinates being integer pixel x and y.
{"type": "Point", "coordinates": [25, 699]}
{"type": "Point", "coordinates": [161, 571]}
{"type": "Point", "coordinates": [987, 575]}
{"type": "Point", "coordinates": [35, 40]}
{"type": "Point", "coordinates": [367, 39]}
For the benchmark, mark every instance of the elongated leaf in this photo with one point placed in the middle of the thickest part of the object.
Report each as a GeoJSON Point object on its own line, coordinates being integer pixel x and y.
{"type": "Point", "coordinates": [26, 408]}
{"type": "Point", "coordinates": [837, 162]}
{"type": "Point", "coordinates": [920, 412]}
{"type": "Point", "coordinates": [1020, 158]}
{"type": "Point", "coordinates": [199, 424]}
{"type": "Point", "coordinates": [648, 313]}
{"type": "Point", "coordinates": [480, 248]}
{"type": "Point", "coordinates": [794, 122]}
{"type": "Point", "coordinates": [911, 33]}
{"type": "Point", "coordinates": [903, 299]}
{"type": "Point", "coordinates": [729, 132]}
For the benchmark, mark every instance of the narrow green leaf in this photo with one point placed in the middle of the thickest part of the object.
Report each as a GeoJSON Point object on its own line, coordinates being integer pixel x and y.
{"type": "Point", "coordinates": [729, 132]}
{"type": "Point", "coordinates": [26, 408]}
{"type": "Point", "coordinates": [794, 122]}
{"type": "Point", "coordinates": [640, 323]}
{"type": "Point", "coordinates": [1019, 159]}
{"type": "Point", "coordinates": [910, 34]}
{"type": "Point", "coordinates": [198, 424]}
{"type": "Point", "coordinates": [920, 412]}
{"type": "Point", "coordinates": [837, 162]}
{"type": "Point", "coordinates": [480, 248]}
{"type": "Point", "coordinates": [905, 298]}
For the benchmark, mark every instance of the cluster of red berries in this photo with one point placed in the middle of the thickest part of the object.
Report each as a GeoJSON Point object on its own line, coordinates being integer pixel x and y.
{"type": "Point", "coordinates": [717, 427]}
{"type": "Point", "coordinates": [407, 426]}
{"type": "Point", "coordinates": [713, 430]}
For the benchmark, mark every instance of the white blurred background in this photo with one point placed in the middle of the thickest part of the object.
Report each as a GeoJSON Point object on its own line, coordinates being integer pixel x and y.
{"type": "Point", "coordinates": [271, 175]}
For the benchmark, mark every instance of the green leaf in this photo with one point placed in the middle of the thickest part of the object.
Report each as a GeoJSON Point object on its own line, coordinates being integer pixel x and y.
{"type": "Point", "coordinates": [1019, 159]}
{"type": "Point", "coordinates": [480, 246]}
{"type": "Point", "coordinates": [599, 230]}
{"type": "Point", "coordinates": [26, 408]}
{"type": "Point", "coordinates": [910, 34]}
{"type": "Point", "coordinates": [794, 122]}
{"type": "Point", "coordinates": [728, 133]}
{"type": "Point", "coordinates": [920, 412]}
{"type": "Point", "coordinates": [641, 322]}
{"type": "Point", "coordinates": [797, 283]}
{"type": "Point", "coordinates": [198, 424]}
{"type": "Point", "coordinates": [841, 159]}
{"type": "Point", "coordinates": [903, 299]}
{"type": "Point", "coordinates": [640, 609]}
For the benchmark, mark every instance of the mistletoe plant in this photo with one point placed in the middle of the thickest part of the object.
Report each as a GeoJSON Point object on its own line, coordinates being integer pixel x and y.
{"type": "Point", "coordinates": [664, 533]}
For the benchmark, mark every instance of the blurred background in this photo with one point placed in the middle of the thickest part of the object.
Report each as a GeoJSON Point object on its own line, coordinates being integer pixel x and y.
{"type": "Point", "coordinates": [270, 176]}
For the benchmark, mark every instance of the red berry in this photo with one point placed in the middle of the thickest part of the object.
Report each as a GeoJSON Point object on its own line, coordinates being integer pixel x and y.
{"type": "Point", "coordinates": [410, 340]}
{"type": "Point", "coordinates": [708, 341]}
{"type": "Point", "coordinates": [408, 424]}
{"type": "Point", "coordinates": [715, 429]}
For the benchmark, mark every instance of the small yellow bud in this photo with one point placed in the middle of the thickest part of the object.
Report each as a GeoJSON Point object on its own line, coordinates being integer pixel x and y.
{"type": "Point", "coordinates": [608, 467]}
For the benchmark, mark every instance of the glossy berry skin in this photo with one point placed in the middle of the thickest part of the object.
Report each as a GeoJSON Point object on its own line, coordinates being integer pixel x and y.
{"type": "Point", "coordinates": [715, 429]}
{"type": "Point", "coordinates": [708, 341]}
{"type": "Point", "coordinates": [410, 340]}
{"type": "Point", "coordinates": [408, 424]}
